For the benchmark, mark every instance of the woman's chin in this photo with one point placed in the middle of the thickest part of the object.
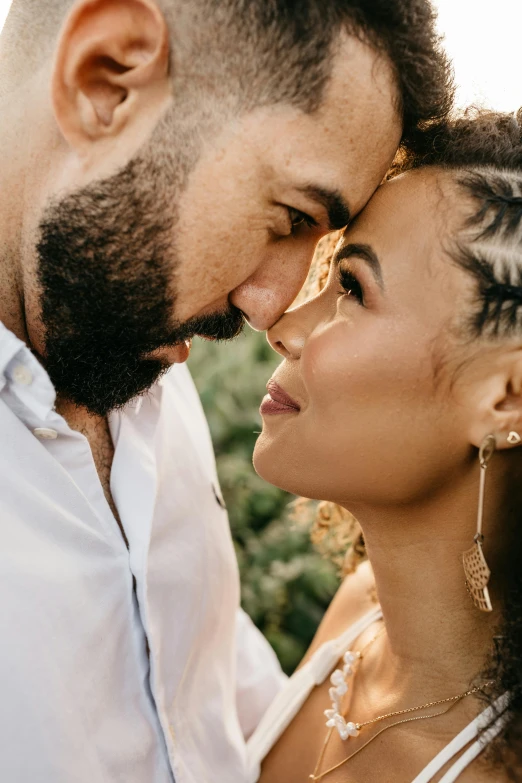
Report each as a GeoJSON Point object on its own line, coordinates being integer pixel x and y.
{"type": "Point", "coordinates": [261, 457]}
{"type": "Point", "coordinates": [273, 465]}
{"type": "Point", "coordinates": [267, 462]}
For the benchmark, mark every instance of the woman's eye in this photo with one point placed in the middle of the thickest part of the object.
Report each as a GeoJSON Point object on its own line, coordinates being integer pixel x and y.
{"type": "Point", "coordinates": [350, 285]}
{"type": "Point", "coordinates": [298, 218]}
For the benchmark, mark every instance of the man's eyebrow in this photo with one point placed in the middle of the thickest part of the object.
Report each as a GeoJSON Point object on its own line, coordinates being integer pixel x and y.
{"type": "Point", "coordinates": [333, 202]}
{"type": "Point", "coordinates": [365, 253]}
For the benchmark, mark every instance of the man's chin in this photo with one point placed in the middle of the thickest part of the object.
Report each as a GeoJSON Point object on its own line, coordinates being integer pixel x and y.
{"type": "Point", "coordinates": [100, 386]}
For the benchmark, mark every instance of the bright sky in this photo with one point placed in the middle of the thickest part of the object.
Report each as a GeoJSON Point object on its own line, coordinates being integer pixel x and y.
{"type": "Point", "coordinates": [4, 8]}
{"type": "Point", "coordinates": [483, 38]}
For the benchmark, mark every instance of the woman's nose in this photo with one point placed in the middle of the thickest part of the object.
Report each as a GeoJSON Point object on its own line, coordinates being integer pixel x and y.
{"type": "Point", "coordinates": [288, 335]}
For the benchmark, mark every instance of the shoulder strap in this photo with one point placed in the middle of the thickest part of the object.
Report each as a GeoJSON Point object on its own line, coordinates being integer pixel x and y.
{"type": "Point", "coordinates": [293, 695]}
{"type": "Point", "coordinates": [461, 740]}
{"type": "Point", "coordinates": [324, 659]}
{"type": "Point", "coordinates": [473, 751]}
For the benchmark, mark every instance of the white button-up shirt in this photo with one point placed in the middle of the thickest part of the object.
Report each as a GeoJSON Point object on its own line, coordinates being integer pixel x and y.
{"type": "Point", "coordinates": [81, 700]}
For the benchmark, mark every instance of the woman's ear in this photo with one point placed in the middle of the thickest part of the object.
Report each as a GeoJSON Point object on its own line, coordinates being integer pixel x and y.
{"type": "Point", "coordinates": [496, 397]}
{"type": "Point", "coordinates": [111, 70]}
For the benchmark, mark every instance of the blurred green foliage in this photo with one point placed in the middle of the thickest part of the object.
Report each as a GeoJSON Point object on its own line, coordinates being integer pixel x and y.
{"type": "Point", "coordinates": [286, 585]}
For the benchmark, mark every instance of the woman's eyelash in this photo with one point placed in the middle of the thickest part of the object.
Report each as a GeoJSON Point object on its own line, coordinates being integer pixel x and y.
{"type": "Point", "coordinates": [350, 285]}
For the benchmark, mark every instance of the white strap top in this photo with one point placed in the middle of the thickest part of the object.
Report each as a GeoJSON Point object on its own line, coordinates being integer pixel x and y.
{"type": "Point", "coordinates": [292, 697]}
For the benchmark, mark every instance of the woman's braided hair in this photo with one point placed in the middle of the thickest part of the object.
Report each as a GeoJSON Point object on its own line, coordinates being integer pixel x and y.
{"type": "Point", "coordinates": [483, 150]}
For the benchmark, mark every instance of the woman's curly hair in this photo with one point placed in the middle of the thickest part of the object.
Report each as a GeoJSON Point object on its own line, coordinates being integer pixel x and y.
{"type": "Point", "coordinates": [483, 151]}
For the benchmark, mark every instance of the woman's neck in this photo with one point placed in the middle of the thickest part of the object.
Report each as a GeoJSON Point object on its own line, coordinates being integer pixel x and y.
{"type": "Point", "coordinates": [433, 630]}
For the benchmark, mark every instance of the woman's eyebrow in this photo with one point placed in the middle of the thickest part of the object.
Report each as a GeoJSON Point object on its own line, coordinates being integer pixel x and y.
{"type": "Point", "coordinates": [367, 254]}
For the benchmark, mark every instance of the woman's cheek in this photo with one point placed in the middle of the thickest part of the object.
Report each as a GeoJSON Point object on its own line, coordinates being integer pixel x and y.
{"type": "Point", "coordinates": [358, 380]}
{"type": "Point", "coordinates": [339, 362]}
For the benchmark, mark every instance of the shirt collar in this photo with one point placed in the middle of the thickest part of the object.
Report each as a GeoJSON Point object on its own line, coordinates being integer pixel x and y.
{"type": "Point", "coordinates": [24, 376]}
{"type": "Point", "coordinates": [36, 391]}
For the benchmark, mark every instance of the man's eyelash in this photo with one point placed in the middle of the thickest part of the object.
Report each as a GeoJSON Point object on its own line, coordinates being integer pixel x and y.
{"type": "Point", "coordinates": [350, 285]}
{"type": "Point", "coordinates": [298, 218]}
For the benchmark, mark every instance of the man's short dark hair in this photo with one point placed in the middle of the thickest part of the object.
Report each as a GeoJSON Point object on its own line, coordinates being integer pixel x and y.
{"type": "Point", "coordinates": [249, 53]}
{"type": "Point", "coordinates": [281, 51]}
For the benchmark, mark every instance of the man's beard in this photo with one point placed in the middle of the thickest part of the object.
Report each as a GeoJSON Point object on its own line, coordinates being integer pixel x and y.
{"type": "Point", "coordinates": [106, 260]}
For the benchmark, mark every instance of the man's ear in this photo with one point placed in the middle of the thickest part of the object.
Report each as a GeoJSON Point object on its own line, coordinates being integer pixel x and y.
{"type": "Point", "coordinates": [497, 400]}
{"type": "Point", "coordinates": [111, 69]}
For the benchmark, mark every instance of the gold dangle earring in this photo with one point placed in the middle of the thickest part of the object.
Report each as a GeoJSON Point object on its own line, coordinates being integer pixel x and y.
{"type": "Point", "coordinates": [475, 565]}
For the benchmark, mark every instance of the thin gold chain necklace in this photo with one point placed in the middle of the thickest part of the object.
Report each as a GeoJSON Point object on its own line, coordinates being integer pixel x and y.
{"type": "Point", "coordinates": [337, 721]}
{"type": "Point", "coordinates": [316, 776]}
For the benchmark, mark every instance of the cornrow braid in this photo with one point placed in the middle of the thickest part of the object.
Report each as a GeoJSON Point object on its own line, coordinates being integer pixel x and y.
{"type": "Point", "coordinates": [484, 150]}
{"type": "Point", "coordinates": [493, 250]}
{"type": "Point", "coordinates": [500, 198]}
{"type": "Point", "coordinates": [499, 284]}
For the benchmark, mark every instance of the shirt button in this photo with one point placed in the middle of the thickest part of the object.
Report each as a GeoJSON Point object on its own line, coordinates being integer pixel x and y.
{"type": "Point", "coordinates": [22, 375]}
{"type": "Point", "coordinates": [45, 434]}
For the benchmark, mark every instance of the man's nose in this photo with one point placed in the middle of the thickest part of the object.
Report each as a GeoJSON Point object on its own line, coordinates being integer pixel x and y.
{"type": "Point", "coordinates": [270, 291]}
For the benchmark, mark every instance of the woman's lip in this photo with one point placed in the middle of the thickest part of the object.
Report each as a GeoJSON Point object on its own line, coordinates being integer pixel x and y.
{"type": "Point", "coordinates": [278, 395]}
{"type": "Point", "coordinates": [269, 407]}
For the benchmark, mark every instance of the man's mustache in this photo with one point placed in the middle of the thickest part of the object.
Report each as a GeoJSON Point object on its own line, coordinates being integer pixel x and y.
{"type": "Point", "coordinates": [224, 325]}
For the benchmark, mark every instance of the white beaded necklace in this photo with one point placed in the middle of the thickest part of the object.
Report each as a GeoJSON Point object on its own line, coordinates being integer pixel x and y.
{"type": "Point", "coordinates": [339, 680]}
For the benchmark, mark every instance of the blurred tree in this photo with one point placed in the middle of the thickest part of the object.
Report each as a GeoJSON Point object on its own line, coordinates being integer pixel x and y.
{"type": "Point", "coordinates": [286, 584]}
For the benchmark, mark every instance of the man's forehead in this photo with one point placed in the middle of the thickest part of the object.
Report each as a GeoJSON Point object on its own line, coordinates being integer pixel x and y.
{"type": "Point", "coordinates": [339, 152]}
{"type": "Point", "coordinates": [360, 76]}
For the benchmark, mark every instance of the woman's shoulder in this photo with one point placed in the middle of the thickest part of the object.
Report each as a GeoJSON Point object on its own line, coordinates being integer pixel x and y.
{"type": "Point", "coordinates": [355, 597]}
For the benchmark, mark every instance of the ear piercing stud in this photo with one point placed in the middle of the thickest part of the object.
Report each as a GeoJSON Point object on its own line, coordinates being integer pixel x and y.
{"type": "Point", "coordinates": [514, 438]}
